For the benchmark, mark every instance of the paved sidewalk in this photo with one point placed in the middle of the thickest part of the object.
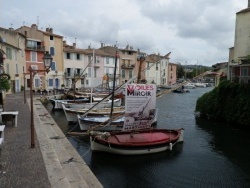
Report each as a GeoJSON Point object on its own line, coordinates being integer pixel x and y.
{"type": "Point", "coordinates": [42, 166]}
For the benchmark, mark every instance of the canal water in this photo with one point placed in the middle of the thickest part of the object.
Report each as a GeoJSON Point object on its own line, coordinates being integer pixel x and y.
{"type": "Point", "coordinates": [212, 155]}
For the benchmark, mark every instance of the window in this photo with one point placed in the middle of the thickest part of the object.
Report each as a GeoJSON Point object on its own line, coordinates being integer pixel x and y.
{"type": "Point", "coordinates": [51, 38]}
{"type": "Point", "coordinates": [78, 56]}
{"type": "Point", "coordinates": [32, 44]}
{"type": "Point", "coordinates": [50, 82]}
{"type": "Point", "coordinates": [78, 71]}
{"type": "Point", "coordinates": [52, 50]}
{"type": "Point", "coordinates": [67, 55]}
{"type": "Point", "coordinates": [82, 81]}
{"type": "Point", "coordinates": [106, 71]}
{"type": "Point", "coordinates": [130, 73]}
{"type": "Point", "coordinates": [53, 66]}
{"type": "Point", "coordinates": [156, 66]}
{"type": "Point", "coordinates": [89, 72]}
{"type": "Point", "coordinates": [94, 73]}
{"type": "Point", "coordinates": [16, 68]}
{"type": "Point", "coordinates": [244, 71]}
{"type": "Point", "coordinates": [107, 60]}
{"type": "Point", "coordinates": [87, 82]}
{"type": "Point", "coordinates": [89, 59]}
{"type": "Point", "coordinates": [16, 55]}
{"type": "Point", "coordinates": [8, 53]}
{"type": "Point", "coordinates": [123, 73]}
{"type": "Point", "coordinates": [33, 56]}
{"type": "Point", "coordinates": [37, 82]}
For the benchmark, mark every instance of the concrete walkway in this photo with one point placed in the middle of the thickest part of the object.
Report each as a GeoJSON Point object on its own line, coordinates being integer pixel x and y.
{"type": "Point", "coordinates": [52, 163]}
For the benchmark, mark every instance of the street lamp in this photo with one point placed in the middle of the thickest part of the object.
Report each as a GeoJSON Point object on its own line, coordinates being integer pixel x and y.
{"type": "Point", "coordinates": [47, 60]}
{"type": "Point", "coordinates": [141, 59]}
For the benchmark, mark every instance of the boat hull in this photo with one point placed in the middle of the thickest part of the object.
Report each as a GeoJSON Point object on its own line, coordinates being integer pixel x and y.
{"type": "Point", "coordinates": [144, 142]}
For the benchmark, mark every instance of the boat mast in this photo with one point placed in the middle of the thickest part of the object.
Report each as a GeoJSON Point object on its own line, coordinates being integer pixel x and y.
{"type": "Point", "coordinates": [92, 74]}
{"type": "Point", "coordinates": [113, 90]}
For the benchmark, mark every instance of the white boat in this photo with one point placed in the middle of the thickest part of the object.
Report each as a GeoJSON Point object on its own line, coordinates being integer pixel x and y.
{"type": "Point", "coordinates": [106, 104]}
{"type": "Point", "coordinates": [57, 103]}
{"type": "Point", "coordinates": [100, 123]}
{"type": "Point", "coordinates": [189, 86]}
{"type": "Point", "coordinates": [200, 85]}
{"type": "Point", "coordinates": [71, 113]}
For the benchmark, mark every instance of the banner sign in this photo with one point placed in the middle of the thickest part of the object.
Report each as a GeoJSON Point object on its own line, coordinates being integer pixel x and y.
{"type": "Point", "coordinates": [139, 106]}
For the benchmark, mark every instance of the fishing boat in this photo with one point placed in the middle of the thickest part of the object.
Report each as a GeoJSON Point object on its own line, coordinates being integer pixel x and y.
{"type": "Point", "coordinates": [189, 86]}
{"type": "Point", "coordinates": [138, 136]}
{"type": "Point", "coordinates": [57, 103]}
{"type": "Point", "coordinates": [101, 122]}
{"type": "Point", "coordinates": [137, 142]}
{"type": "Point", "coordinates": [105, 104]}
{"type": "Point", "coordinates": [71, 113]}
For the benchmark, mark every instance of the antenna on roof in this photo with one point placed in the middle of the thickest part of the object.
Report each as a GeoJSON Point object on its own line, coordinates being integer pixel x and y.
{"type": "Point", "coordinates": [75, 40]}
{"type": "Point", "coordinates": [37, 22]}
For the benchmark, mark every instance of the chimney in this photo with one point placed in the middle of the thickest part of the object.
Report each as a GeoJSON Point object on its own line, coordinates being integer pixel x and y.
{"type": "Point", "coordinates": [47, 29]}
{"type": "Point", "coordinates": [102, 45]}
{"type": "Point", "coordinates": [74, 45]}
{"type": "Point", "coordinates": [64, 42]}
{"type": "Point", "coordinates": [34, 26]}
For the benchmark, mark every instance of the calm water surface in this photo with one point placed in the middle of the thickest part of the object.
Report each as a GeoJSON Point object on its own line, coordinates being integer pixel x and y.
{"type": "Point", "coordinates": [212, 155]}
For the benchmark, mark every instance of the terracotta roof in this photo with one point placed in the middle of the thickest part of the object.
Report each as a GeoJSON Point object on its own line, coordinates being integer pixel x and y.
{"type": "Point", "coordinates": [244, 10]}
{"type": "Point", "coordinates": [87, 51]}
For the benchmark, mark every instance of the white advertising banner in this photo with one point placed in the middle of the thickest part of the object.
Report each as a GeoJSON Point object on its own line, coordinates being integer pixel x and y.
{"type": "Point", "coordinates": [139, 106]}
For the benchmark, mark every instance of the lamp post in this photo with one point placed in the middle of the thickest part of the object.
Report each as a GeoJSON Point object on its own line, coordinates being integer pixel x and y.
{"type": "Point", "coordinates": [142, 59]}
{"type": "Point", "coordinates": [47, 60]}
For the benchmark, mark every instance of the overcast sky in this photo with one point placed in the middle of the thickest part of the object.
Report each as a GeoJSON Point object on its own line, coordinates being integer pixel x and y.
{"type": "Point", "coordinates": [194, 31]}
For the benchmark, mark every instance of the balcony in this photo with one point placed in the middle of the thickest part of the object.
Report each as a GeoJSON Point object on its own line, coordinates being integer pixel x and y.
{"type": "Point", "coordinates": [130, 66]}
{"type": "Point", "coordinates": [36, 48]}
{"type": "Point", "coordinates": [72, 75]}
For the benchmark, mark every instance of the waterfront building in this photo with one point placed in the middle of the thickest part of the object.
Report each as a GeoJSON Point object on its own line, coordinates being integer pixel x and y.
{"type": "Point", "coordinates": [38, 42]}
{"type": "Point", "coordinates": [162, 72]}
{"type": "Point", "coordinates": [12, 54]}
{"type": "Point", "coordinates": [74, 66]}
{"type": "Point", "coordinates": [127, 57]}
{"type": "Point", "coordinates": [239, 54]}
{"type": "Point", "coordinates": [100, 73]}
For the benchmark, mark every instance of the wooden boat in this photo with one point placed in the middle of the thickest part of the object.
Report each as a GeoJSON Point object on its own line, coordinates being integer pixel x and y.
{"type": "Point", "coordinates": [71, 113]}
{"type": "Point", "coordinates": [105, 104]}
{"type": "Point", "coordinates": [136, 142]}
{"type": "Point", "coordinates": [100, 122]}
{"type": "Point", "coordinates": [57, 103]}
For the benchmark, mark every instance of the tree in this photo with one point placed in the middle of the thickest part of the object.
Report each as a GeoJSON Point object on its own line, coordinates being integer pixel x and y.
{"type": "Point", "coordinates": [180, 71]}
{"type": "Point", "coordinates": [4, 83]}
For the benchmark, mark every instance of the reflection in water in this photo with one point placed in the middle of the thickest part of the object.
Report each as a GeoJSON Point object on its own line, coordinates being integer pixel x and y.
{"type": "Point", "coordinates": [229, 142]}
{"type": "Point", "coordinates": [211, 155]}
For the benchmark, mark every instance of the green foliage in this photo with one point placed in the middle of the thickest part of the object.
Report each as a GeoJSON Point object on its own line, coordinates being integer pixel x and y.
{"type": "Point", "coordinates": [4, 84]}
{"type": "Point", "coordinates": [228, 102]}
